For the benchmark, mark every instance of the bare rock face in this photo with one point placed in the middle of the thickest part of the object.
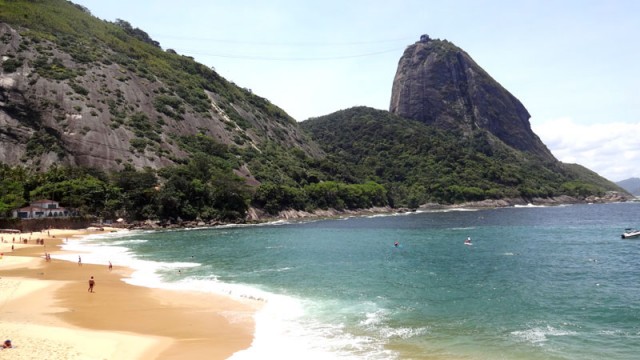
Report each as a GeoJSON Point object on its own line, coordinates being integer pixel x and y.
{"type": "Point", "coordinates": [72, 102]}
{"type": "Point", "coordinates": [438, 83]}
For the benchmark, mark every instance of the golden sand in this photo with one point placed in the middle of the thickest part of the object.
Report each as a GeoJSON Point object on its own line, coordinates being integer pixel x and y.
{"type": "Point", "coordinates": [48, 313]}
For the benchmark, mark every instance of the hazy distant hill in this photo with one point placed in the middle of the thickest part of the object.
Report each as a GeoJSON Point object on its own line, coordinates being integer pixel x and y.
{"type": "Point", "coordinates": [632, 185]}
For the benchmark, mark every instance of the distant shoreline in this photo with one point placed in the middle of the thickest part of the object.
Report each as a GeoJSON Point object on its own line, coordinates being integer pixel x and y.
{"type": "Point", "coordinates": [256, 216]}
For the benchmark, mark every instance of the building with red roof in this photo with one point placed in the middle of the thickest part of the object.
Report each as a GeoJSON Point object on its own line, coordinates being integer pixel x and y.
{"type": "Point", "coordinates": [41, 209]}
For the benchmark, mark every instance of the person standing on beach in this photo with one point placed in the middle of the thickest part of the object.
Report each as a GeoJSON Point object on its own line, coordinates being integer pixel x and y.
{"type": "Point", "coordinates": [110, 266]}
{"type": "Point", "coordinates": [91, 283]}
{"type": "Point", "coordinates": [79, 261]}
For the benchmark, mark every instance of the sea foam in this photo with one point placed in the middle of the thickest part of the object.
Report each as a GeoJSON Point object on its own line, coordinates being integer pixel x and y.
{"type": "Point", "coordinates": [284, 328]}
{"type": "Point", "coordinates": [538, 335]}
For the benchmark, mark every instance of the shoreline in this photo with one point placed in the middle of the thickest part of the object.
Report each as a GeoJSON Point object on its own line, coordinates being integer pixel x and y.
{"type": "Point", "coordinates": [54, 328]}
{"type": "Point", "coordinates": [48, 313]}
{"type": "Point", "coordinates": [256, 216]}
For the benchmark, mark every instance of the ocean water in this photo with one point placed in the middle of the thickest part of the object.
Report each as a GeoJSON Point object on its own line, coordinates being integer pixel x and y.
{"type": "Point", "coordinates": [537, 283]}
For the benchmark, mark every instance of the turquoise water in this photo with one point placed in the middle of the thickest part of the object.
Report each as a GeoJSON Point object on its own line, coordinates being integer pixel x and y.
{"type": "Point", "coordinates": [537, 283]}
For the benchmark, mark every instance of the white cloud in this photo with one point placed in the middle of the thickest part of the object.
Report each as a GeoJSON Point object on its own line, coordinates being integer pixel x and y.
{"type": "Point", "coordinates": [612, 149]}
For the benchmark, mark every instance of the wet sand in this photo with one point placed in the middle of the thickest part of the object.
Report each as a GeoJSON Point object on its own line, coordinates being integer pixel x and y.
{"type": "Point", "coordinates": [47, 311]}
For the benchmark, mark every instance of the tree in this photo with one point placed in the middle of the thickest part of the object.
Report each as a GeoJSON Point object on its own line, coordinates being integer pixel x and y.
{"type": "Point", "coordinates": [139, 191]}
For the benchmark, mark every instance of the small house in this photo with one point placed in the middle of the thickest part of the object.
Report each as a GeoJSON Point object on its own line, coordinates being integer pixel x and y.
{"type": "Point", "coordinates": [41, 209]}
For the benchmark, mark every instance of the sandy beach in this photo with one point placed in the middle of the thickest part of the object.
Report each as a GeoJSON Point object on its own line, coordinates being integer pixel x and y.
{"type": "Point", "coordinates": [48, 313]}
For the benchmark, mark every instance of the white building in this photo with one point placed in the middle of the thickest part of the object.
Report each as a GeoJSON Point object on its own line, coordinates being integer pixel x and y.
{"type": "Point", "coordinates": [41, 209]}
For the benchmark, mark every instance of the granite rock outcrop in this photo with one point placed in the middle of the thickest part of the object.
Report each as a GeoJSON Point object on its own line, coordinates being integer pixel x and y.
{"type": "Point", "coordinates": [438, 83]}
{"type": "Point", "coordinates": [81, 100]}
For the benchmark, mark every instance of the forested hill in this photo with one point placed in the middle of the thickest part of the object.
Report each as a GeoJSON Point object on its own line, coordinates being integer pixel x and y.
{"type": "Point", "coordinates": [96, 115]}
{"type": "Point", "coordinates": [76, 90]}
{"type": "Point", "coordinates": [421, 163]}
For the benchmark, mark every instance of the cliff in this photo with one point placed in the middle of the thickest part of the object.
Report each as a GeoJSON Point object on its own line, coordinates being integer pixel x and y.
{"type": "Point", "coordinates": [438, 83]}
{"type": "Point", "coordinates": [79, 91]}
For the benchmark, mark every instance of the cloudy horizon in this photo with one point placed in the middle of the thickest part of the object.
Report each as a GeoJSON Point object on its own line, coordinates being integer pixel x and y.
{"type": "Point", "coordinates": [609, 149]}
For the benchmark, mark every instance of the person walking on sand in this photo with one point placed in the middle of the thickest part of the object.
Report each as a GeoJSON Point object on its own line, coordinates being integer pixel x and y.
{"type": "Point", "coordinates": [91, 283]}
{"type": "Point", "coordinates": [110, 266]}
{"type": "Point", "coordinates": [79, 261]}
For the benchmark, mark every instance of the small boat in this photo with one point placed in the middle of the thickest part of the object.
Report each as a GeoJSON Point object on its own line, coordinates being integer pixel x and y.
{"type": "Point", "coordinates": [630, 233]}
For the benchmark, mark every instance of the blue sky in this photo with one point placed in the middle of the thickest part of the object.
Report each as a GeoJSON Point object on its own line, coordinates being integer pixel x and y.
{"type": "Point", "coordinates": [575, 65]}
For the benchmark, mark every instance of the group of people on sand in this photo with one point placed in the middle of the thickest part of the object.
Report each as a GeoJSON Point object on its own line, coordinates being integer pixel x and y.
{"type": "Point", "coordinates": [38, 241]}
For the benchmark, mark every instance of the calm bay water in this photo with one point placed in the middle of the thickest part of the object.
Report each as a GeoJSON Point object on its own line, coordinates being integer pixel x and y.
{"type": "Point", "coordinates": [537, 283]}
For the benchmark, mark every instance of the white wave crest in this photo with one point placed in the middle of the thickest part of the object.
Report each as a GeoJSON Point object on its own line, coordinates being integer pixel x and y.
{"type": "Point", "coordinates": [539, 335]}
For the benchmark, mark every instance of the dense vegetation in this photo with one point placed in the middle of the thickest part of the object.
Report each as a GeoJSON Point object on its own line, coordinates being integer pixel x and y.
{"type": "Point", "coordinates": [418, 163]}
{"type": "Point", "coordinates": [375, 159]}
{"type": "Point", "coordinates": [204, 187]}
{"type": "Point", "coordinates": [189, 191]}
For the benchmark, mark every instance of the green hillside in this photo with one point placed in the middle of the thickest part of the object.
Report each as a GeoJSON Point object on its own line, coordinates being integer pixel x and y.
{"type": "Point", "coordinates": [75, 78]}
{"type": "Point", "coordinates": [94, 42]}
{"type": "Point", "coordinates": [419, 163]}
{"type": "Point", "coordinates": [89, 104]}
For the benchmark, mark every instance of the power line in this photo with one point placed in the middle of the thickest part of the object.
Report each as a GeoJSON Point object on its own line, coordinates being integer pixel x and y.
{"type": "Point", "coordinates": [282, 43]}
{"type": "Point", "coordinates": [269, 58]}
